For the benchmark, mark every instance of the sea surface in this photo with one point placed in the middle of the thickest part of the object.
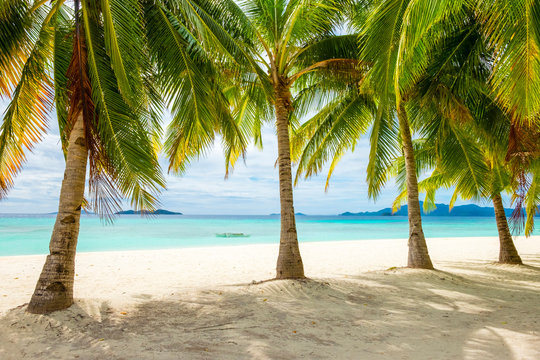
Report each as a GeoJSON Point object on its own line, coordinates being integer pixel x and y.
{"type": "Point", "coordinates": [30, 234]}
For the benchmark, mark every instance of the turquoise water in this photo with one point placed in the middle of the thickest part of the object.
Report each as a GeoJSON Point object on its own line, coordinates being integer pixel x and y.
{"type": "Point", "coordinates": [30, 234]}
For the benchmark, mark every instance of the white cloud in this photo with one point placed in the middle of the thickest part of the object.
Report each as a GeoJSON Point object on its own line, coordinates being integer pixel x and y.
{"type": "Point", "coordinates": [251, 189]}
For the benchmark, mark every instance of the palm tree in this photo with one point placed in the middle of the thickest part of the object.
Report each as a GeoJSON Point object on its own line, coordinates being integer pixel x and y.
{"type": "Point", "coordinates": [398, 40]}
{"type": "Point", "coordinates": [91, 62]}
{"type": "Point", "coordinates": [379, 47]}
{"type": "Point", "coordinates": [382, 104]}
{"type": "Point", "coordinates": [483, 175]}
{"type": "Point", "coordinates": [509, 30]}
{"type": "Point", "coordinates": [465, 134]}
{"type": "Point", "coordinates": [512, 28]}
{"type": "Point", "coordinates": [470, 158]}
{"type": "Point", "coordinates": [278, 47]}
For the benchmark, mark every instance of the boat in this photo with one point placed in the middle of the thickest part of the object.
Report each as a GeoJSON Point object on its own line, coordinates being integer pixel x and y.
{"type": "Point", "coordinates": [232, 235]}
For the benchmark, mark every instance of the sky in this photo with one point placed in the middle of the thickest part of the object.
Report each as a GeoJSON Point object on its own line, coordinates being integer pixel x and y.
{"type": "Point", "coordinates": [252, 188]}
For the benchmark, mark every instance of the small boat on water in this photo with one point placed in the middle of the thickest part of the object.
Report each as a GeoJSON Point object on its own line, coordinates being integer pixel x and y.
{"type": "Point", "coordinates": [232, 235]}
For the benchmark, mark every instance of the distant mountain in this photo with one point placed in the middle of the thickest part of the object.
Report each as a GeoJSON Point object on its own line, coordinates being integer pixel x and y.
{"type": "Point", "coordinates": [441, 210]}
{"type": "Point", "coordinates": [156, 212]}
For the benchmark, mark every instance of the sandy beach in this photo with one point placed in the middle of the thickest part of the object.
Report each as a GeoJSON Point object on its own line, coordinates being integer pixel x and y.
{"type": "Point", "coordinates": [210, 303]}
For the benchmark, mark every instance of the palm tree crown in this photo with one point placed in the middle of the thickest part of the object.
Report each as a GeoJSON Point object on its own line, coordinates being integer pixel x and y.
{"type": "Point", "coordinates": [99, 69]}
{"type": "Point", "coordinates": [279, 51]}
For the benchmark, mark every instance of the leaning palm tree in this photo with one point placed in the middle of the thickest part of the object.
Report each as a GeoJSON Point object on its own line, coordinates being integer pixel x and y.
{"type": "Point", "coordinates": [508, 27]}
{"type": "Point", "coordinates": [333, 134]}
{"type": "Point", "coordinates": [464, 133]}
{"type": "Point", "coordinates": [381, 46]}
{"type": "Point", "coordinates": [277, 47]}
{"type": "Point", "coordinates": [90, 60]}
{"type": "Point", "coordinates": [463, 157]}
{"type": "Point", "coordinates": [397, 40]}
{"type": "Point", "coordinates": [485, 174]}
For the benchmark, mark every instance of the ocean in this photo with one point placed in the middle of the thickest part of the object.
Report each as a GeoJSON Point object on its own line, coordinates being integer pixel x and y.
{"type": "Point", "coordinates": [30, 234]}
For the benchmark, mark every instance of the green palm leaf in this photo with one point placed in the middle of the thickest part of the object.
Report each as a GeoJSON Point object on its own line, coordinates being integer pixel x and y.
{"type": "Point", "coordinates": [25, 119]}
{"type": "Point", "coordinates": [513, 30]}
{"type": "Point", "coordinates": [19, 30]}
{"type": "Point", "coordinates": [333, 131]}
{"type": "Point", "coordinates": [126, 159]}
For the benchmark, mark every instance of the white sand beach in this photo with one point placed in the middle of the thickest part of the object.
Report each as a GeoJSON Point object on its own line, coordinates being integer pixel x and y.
{"type": "Point", "coordinates": [206, 303]}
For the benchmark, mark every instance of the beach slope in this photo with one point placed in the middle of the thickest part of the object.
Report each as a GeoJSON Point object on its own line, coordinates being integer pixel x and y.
{"type": "Point", "coordinates": [209, 303]}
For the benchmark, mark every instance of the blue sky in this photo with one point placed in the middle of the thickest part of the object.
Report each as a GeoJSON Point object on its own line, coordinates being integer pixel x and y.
{"type": "Point", "coordinates": [251, 189]}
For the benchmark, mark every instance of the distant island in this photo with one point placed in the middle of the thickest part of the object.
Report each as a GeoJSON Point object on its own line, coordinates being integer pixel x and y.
{"type": "Point", "coordinates": [441, 210]}
{"type": "Point", "coordinates": [156, 212]}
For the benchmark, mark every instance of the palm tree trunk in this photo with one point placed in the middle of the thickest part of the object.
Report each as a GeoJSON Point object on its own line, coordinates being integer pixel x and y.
{"type": "Point", "coordinates": [418, 251]}
{"type": "Point", "coordinates": [289, 263]}
{"type": "Point", "coordinates": [54, 289]}
{"type": "Point", "coordinates": [507, 252]}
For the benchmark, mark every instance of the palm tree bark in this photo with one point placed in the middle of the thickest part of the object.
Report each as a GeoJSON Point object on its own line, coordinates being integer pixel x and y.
{"type": "Point", "coordinates": [54, 289]}
{"type": "Point", "coordinates": [507, 252]}
{"type": "Point", "coordinates": [289, 263]}
{"type": "Point", "coordinates": [418, 252]}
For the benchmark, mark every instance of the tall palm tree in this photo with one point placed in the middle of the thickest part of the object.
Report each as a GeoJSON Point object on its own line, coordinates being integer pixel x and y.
{"type": "Point", "coordinates": [510, 30]}
{"type": "Point", "coordinates": [465, 134]}
{"type": "Point", "coordinates": [398, 40]}
{"type": "Point", "coordinates": [91, 61]}
{"type": "Point", "coordinates": [278, 46]}
{"type": "Point", "coordinates": [379, 38]}
{"type": "Point", "coordinates": [462, 157]}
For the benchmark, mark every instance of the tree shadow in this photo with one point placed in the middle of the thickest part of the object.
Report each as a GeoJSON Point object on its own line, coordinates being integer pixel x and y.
{"type": "Point", "coordinates": [67, 334]}
{"type": "Point", "coordinates": [394, 314]}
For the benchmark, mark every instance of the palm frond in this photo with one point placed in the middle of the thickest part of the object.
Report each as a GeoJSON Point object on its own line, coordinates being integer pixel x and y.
{"type": "Point", "coordinates": [19, 30]}
{"type": "Point", "coordinates": [425, 25]}
{"type": "Point", "coordinates": [384, 148]}
{"type": "Point", "coordinates": [512, 28]}
{"type": "Point", "coordinates": [333, 131]}
{"type": "Point", "coordinates": [123, 33]}
{"type": "Point", "coordinates": [124, 159]}
{"type": "Point", "coordinates": [63, 52]}
{"type": "Point", "coordinates": [25, 119]}
{"type": "Point", "coordinates": [330, 47]}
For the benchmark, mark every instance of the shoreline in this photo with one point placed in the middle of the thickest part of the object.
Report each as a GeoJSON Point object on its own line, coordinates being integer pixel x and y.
{"type": "Point", "coordinates": [202, 303]}
{"type": "Point", "coordinates": [323, 242]}
{"type": "Point", "coordinates": [200, 267]}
